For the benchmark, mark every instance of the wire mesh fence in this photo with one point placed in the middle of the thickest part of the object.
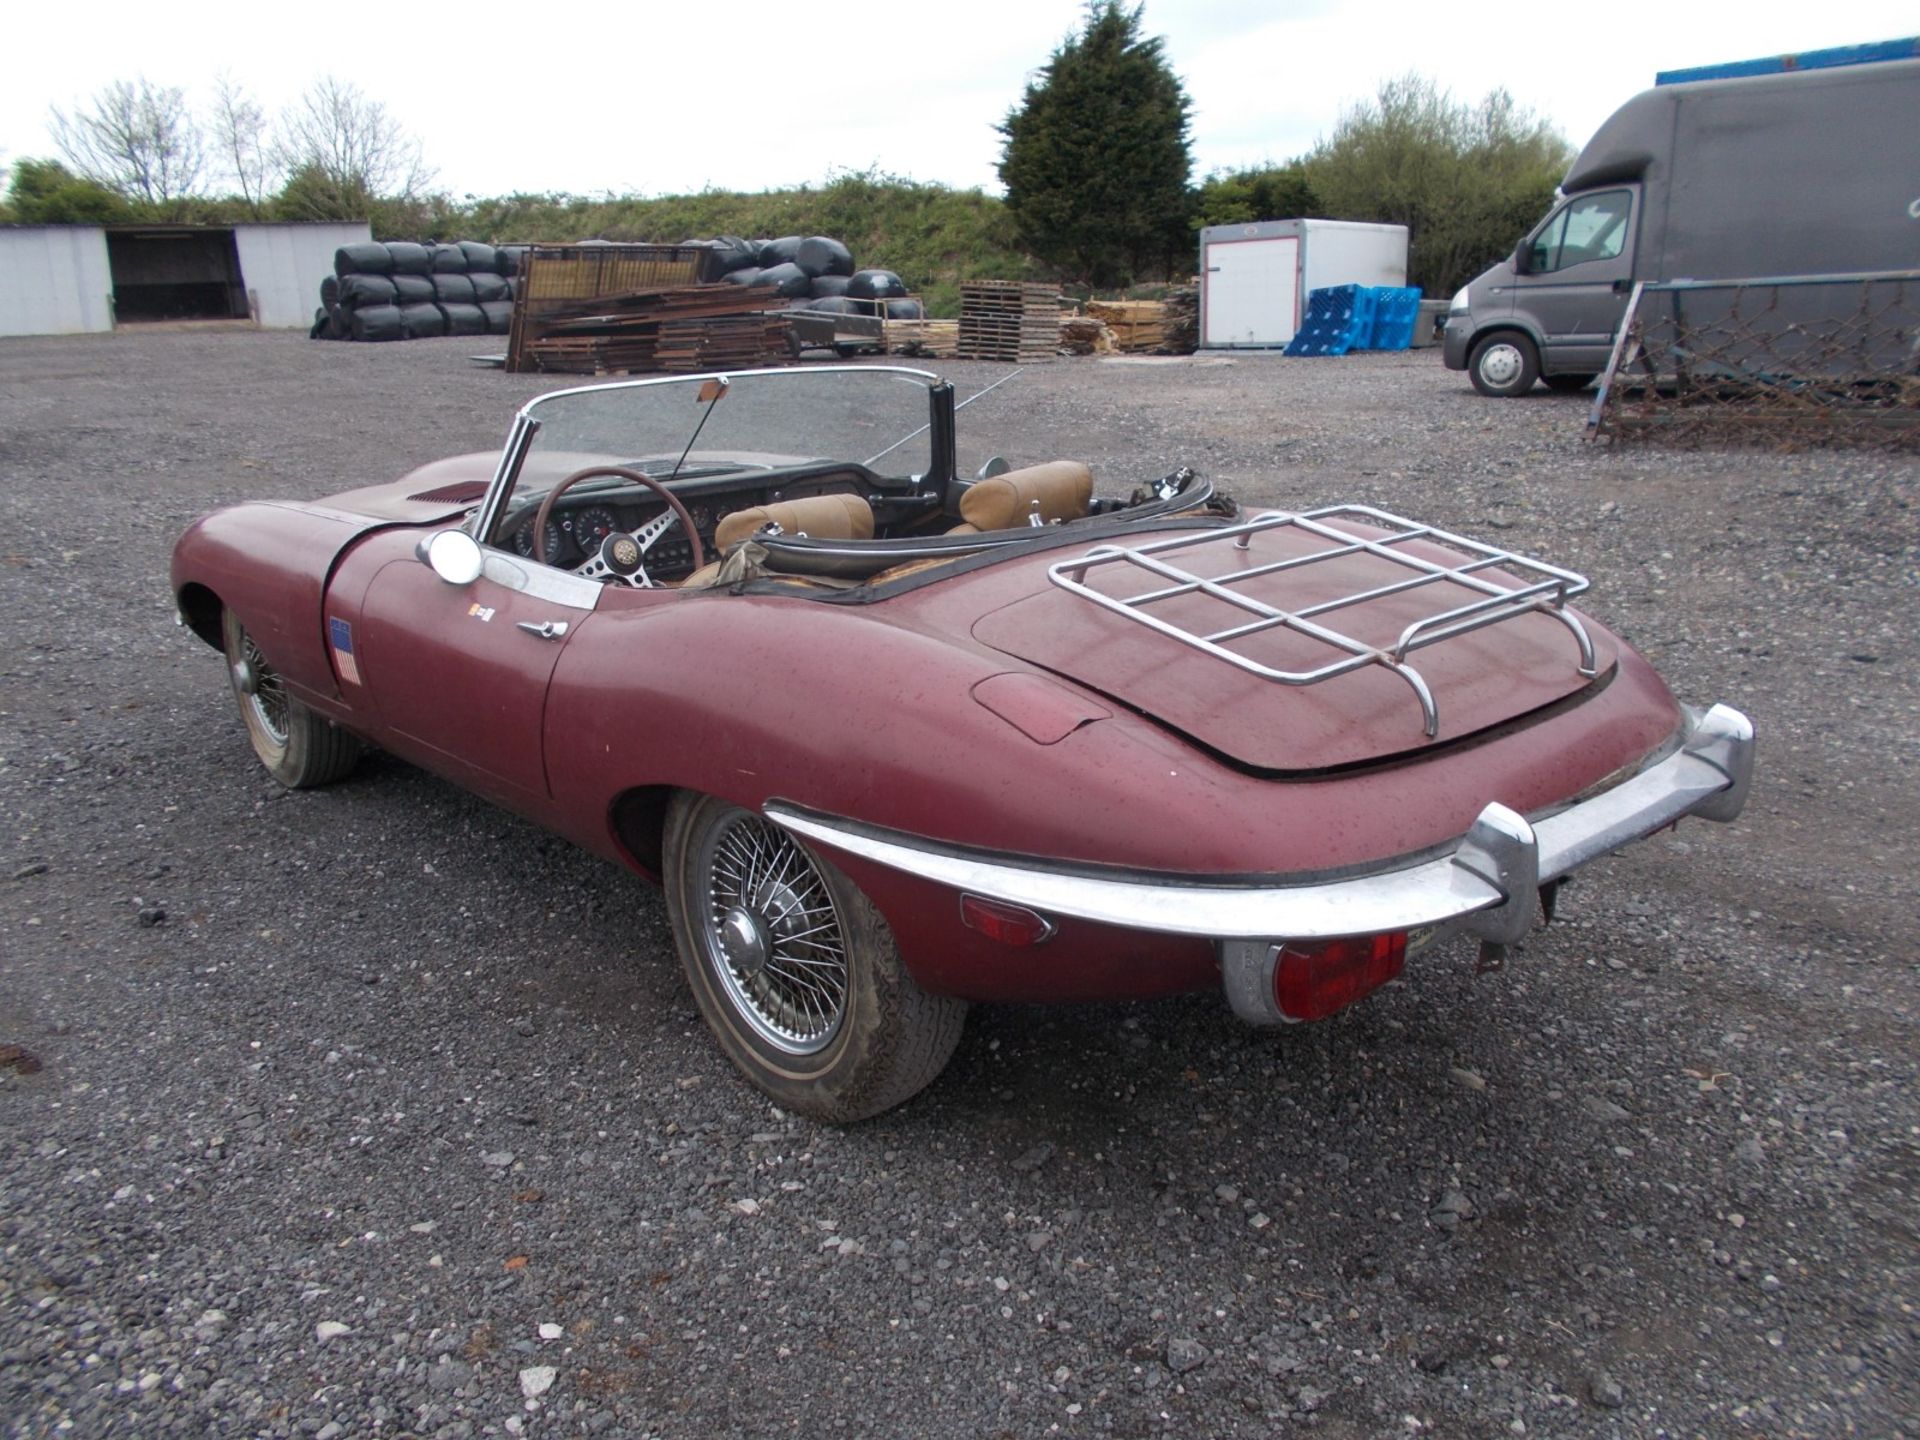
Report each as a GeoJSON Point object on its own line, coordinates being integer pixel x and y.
{"type": "Point", "coordinates": [1784, 361]}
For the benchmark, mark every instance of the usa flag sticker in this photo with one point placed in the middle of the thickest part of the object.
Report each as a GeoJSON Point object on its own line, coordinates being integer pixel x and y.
{"type": "Point", "coordinates": [340, 637]}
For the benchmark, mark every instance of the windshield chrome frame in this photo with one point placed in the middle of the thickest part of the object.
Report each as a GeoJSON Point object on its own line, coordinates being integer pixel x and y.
{"type": "Point", "coordinates": [526, 422]}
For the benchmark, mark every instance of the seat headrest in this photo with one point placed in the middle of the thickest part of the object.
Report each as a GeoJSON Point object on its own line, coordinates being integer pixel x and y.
{"type": "Point", "coordinates": [819, 517]}
{"type": "Point", "coordinates": [1064, 489]}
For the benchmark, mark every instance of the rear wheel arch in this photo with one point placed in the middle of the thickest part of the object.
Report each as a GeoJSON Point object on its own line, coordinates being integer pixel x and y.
{"type": "Point", "coordinates": [639, 820]}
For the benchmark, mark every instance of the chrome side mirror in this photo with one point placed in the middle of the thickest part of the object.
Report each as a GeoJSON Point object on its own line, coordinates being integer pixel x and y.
{"type": "Point", "coordinates": [996, 466]}
{"type": "Point", "coordinates": [454, 556]}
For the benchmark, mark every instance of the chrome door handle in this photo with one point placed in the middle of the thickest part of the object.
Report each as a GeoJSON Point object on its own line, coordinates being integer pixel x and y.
{"type": "Point", "coordinates": [545, 629]}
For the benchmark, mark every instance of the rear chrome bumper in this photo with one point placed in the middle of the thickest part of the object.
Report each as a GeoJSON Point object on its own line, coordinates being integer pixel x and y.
{"type": "Point", "coordinates": [1486, 885]}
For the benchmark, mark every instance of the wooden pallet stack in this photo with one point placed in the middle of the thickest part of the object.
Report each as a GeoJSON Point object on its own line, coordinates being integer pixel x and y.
{"type": "Point", "coordinates": [1008, 320]}
{"type": "Point", "coordinates": [1138, 326]}
{"type": "Point", "coordinates": [678, 328]}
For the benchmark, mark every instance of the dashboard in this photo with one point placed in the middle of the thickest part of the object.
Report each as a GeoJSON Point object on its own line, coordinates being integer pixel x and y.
{"type": "Point", "coordinates": [583, 518]}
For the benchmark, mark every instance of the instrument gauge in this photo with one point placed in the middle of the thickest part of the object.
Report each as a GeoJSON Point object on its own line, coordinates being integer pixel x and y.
{"type": "Point", "coordinates": [591, 526]}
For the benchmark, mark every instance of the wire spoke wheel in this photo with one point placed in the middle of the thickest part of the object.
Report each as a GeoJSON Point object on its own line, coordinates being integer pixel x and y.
{"type": "Point", "coordinates": [268, 695]}
{"type": "Point", "coordinates": [298, 748]}
{"type": "Point", "coordinates": [795, 970]}
{"type": "Point", "coordinates": [773, 926]}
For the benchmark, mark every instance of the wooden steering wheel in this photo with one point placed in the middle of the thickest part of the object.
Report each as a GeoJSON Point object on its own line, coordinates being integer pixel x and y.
{"type": "Point", "coordinates": [639, 477]}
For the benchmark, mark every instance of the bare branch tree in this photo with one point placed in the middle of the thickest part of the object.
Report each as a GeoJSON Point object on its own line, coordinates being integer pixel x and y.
{"type": "Point", "coordinates": [241, 141]}
{"type": "Point", "coordinates": [346, 146]}
{"type": "Point", "coordinates": [139, 139]}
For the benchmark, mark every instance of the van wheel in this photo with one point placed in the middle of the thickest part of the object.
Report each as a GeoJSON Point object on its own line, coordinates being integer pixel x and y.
{"type": "Point", "coordinates": [1504, 364]}
{"type": "Point", "coordinates": [1567, 384]}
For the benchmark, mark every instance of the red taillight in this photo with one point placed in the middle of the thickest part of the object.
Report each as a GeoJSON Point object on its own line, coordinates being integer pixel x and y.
{"type": "Point", "coordinates": [1311, 982]}
{"type": "Point", "coordinates": [1009, 924]}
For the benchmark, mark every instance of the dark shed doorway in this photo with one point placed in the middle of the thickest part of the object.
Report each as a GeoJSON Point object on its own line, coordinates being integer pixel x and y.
{"type": "Point", "coordinates": [169, 273]}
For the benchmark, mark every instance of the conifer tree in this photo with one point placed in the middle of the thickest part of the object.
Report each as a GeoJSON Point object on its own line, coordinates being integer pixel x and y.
{"type": "Point", "coordinates": [1096, 158]}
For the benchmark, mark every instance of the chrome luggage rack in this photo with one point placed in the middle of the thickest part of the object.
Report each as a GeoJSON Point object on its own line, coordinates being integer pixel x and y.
{"type": "Point", "coordinates": [1543, 589]}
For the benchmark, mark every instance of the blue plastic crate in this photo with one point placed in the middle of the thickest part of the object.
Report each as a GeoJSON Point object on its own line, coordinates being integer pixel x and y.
{"type": "Point", "coordinates": [1339, 318]}
{"type": "Point", "coordinates": [1396, 310]}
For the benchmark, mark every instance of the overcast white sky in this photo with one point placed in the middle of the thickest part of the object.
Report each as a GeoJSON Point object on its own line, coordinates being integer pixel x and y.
{"type": "Point", "coordinates": [678, 97]}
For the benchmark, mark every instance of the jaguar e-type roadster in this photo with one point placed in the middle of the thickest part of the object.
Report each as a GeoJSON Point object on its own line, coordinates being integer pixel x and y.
{"type": "Point", "coordinates": [893, 738]}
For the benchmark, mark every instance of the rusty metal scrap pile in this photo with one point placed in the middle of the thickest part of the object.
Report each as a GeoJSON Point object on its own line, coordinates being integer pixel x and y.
{"type": "Point", "coordinates": [1784, 362]}
{"type": "Point", "coordinates": [680, 329]}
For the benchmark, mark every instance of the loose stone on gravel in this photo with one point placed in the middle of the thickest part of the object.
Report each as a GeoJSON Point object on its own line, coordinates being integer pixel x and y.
{"type": "Point", "coordinates": [1185, 1354]}
{"type": "Point", "coordinates": [536, 1380]}
{"type": "Point", "coordinates": [1606, 1391]}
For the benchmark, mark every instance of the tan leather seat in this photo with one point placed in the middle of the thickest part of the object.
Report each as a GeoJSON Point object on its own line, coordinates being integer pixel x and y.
{"type": "Point", "coordinates": [818, 517]}
{"type": "Point", "coordinates": [1057, 490]}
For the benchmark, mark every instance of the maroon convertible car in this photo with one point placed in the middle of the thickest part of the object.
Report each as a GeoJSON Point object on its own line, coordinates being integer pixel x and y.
{"type": "Point", "coordinates": [893, 737]}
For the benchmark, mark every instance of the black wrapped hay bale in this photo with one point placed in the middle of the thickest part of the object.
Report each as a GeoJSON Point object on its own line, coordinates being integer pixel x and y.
{"type": "Point", "coordinates": [364, 259]}
{"type": "Point", "coordinates": [480, 256]}
{"type": "Point", "coordinates": [824, 285]}
{"type": "Point", "coordinates": [823, 255]}
{"type": "Point", "coordinates": [488, 288]}
{"type": "Point", "coordinates": [365, 291]}
{"type": "Point", "coordinates": [787, 280]}
{"type": "Point", "coordinates": [834, 305]}
{"type": "Point", "coordinates": [736, 254]}
{"type": "Point", "coordinates": [453, 289]}
{"type": "Point", "coordinates": [449, 260]}
{"type": "Point", "coordinates": [377, 322]}
{"type": "Point", "coordinates": [875, 285]}
{"type": "Point", "coordinates": [779, 252]}
{"type": "Point", "coordinates": [510, 257]}
{"type": "Point", "coordinates": [750, 276]}
{"type": "Point", "coordinates": [409, 258]}
{"type": "Point", "coordinates": [907, 309]}
{"type": "Point", "coordinates": [499, 315]}
{"type": "Point", "coordinates": [329, 291]}
{"type": "Point", "coordinates": [423, 322]}
{"type": "Point", "coordinates": [465, 319]}
{"type": "Point", "coordinates": [411, 289]}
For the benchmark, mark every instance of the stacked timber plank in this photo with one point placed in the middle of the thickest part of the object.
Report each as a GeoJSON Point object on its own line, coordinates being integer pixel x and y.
{"type": "Point", "coordinates": [1138, 326]}
{"type": "Point", "coordinates": [936, 339]}
{"type": "Point", "coordinates": [675, 328]}
{"type": "Point", "coordinates": [1182, 328]}
{"type": "Point", "coordinates": [1083, 335]}
{"type": "Point", "coordinates": [1008, 320]}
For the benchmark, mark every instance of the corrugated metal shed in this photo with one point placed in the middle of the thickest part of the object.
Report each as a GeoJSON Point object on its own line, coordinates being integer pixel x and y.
{"type": "Point", "coordinates": [54, 280]}
{"type": "Point", "coordinates": [74, 279]}
{"type": "Point", "coordinates": [282, 266]}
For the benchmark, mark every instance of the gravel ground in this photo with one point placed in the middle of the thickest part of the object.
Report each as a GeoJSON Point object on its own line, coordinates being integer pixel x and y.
{"type": "Point", "coordinates": [374, 1111]}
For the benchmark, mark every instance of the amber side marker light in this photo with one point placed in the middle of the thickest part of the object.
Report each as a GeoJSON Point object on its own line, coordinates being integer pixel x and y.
{"type": "Point", "coordinates": [1312, 981]}
{"type": "Point", "coordinates": [1009, 924]}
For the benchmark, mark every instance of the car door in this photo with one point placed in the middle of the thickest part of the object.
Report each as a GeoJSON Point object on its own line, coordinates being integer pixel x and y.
{"type": "Point", "coordinates": [1578, 272]}
{"type": "Point", "coordinates": [460, 672]}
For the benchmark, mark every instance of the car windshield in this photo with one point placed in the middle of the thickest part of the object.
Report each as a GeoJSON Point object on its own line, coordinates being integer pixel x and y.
{"type": "Point", "coordinates": [864, 414]}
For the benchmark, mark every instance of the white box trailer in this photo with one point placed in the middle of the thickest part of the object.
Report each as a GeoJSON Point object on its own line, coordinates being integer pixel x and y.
{"type": "Point", "coordinates": [1254, 278]}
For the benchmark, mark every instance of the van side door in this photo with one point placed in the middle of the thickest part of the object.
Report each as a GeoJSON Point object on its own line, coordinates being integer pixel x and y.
{"type": "Point", "coordinates": [1578, 269]}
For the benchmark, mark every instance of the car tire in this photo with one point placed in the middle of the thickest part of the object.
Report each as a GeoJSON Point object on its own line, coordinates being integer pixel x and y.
{"type": "Point", "coordinates": [1504, 364]}
{"type": "Point", "coordinates": [1567, 384]}
{"type": "Point", "coordinates": [795, 970]}
{"type": "Point", "coordinates": [299, 748]}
